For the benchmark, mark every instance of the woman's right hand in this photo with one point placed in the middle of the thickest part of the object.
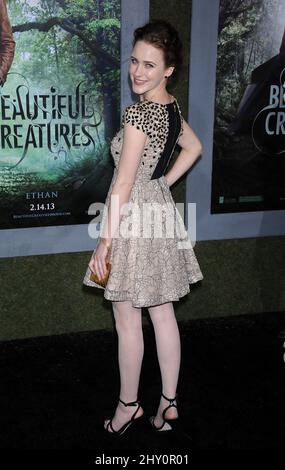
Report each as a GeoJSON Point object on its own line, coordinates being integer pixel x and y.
{"type": "Point", "coordinates": [97, 263]}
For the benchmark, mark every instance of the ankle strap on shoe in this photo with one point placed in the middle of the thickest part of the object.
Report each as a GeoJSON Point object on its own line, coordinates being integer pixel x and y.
{"type": "Point", "coordinates": [131, 403]}
{"type": "Point", "coordinates": [169, 399]}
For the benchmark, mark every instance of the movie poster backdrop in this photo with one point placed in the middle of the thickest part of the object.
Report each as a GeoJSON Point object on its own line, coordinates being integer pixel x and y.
{"type": "Point", "coordinates": [59, 108]}
{"type": "Point", "coordinates": [249, 131]}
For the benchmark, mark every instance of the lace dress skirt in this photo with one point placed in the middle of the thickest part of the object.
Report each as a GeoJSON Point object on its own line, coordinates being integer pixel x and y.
{"type": "Point", "coordinates": [157, 264]}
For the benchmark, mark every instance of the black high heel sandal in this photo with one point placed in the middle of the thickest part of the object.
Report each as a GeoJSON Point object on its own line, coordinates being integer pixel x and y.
{"type": "Point", "coordinates": [170, 421]}
{"type": "Point", "coordinates": [133, 419]}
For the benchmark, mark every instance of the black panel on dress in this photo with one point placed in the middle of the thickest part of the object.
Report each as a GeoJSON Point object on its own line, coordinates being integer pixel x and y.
{"type": "Point", "coordinates": [173, 133]}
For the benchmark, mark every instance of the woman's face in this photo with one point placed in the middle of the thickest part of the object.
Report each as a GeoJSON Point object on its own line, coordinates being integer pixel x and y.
{"type": "Point", "coordinates": [147, 69]}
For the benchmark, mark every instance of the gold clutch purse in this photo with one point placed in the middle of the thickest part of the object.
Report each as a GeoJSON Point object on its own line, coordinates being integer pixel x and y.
{"type": "Point", "coordinates": [99, 280]}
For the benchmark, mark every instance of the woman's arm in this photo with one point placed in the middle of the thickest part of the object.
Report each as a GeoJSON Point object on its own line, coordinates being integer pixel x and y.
{"type": "Point", "coordinates": [132, 149]}
{"type": "Point", "coordinates": [135, 135]}
{"type": "Point", "coordinates": [191, 149]}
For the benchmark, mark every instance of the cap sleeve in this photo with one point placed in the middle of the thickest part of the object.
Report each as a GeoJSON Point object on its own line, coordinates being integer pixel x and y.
{"type": "Point", "coordinates": [136, 116]}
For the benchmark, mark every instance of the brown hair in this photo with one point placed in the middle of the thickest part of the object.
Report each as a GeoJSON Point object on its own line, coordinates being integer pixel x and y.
{"type": "Point", "coordinates": [163, 35]}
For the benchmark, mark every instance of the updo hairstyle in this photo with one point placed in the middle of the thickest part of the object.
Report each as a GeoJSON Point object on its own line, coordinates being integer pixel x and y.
{"type": "Point", "coordinates": [161, 34]}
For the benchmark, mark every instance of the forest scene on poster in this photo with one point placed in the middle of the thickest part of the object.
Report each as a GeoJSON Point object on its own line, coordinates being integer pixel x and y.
{"type": "Point", "coordinates": [249, 130]}
{"type": "Point", "coordinates": [59, 109]}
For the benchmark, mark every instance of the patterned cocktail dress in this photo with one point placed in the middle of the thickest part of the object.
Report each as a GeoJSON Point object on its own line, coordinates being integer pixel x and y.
{"type": "Point", "coordinates": [150, 268]}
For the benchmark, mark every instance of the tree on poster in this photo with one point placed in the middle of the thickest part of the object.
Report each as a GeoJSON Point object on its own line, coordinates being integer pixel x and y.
{"type": "Point", "coordinates": [249, 135]}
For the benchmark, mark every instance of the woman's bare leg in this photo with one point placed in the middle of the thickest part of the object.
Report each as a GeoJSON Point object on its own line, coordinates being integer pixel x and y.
{"type": "Point", "coordinates": [130, 355]}
{"type": "Point", "coordinates": [169, 355]}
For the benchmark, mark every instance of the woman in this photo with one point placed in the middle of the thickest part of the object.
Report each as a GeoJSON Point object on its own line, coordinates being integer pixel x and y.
{"type": "Point", "coordinates": [147, 271]}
